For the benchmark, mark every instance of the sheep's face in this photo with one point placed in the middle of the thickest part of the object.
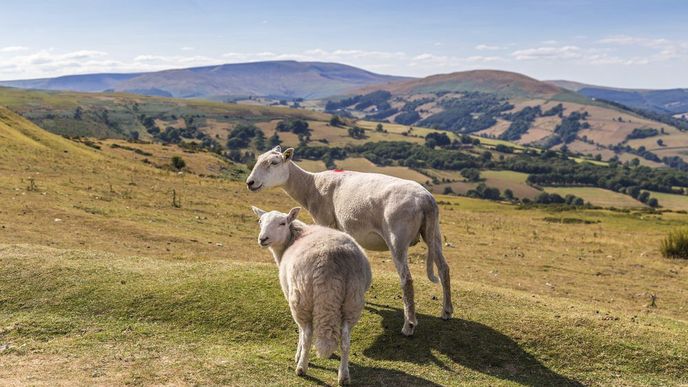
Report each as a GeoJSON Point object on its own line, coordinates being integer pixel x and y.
{"type": "Point", "coordinates": [274, 226]}
{"type": "Point", "coordinates": [271, 169]}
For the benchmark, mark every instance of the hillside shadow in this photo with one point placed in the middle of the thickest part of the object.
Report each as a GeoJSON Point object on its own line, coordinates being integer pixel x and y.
{"type": "Point", "coordinates": [467, 343]}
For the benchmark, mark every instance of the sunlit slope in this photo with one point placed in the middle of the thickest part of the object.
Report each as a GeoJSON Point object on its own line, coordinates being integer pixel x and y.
{"type": "Point", "coordinates": [22, 142]}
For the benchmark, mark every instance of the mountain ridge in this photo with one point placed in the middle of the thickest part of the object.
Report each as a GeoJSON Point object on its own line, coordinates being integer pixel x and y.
{"type": "Point", "coordinates": [279, 79]}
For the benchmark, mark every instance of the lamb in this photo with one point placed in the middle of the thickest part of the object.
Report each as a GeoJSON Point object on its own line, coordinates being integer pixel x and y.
{"type": "Point", "coordinates": [380, 212]}
{"type": "Point", "coordinates": [324, 275]}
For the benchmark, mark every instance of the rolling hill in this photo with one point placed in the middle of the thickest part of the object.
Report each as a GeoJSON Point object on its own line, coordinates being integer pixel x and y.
{"type": "Point", "coordinates": [517, 108]}
{"type": "Point", "coordinates": [278, 79]}
{"type": "Point", "coordinates": [502, 83]}
{"type": "Point", "coordinates": [668, 101]}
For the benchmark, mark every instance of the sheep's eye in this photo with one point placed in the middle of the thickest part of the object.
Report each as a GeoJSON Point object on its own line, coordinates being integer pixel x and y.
{"type": "Point", "coordinates": [274, 162]}
{"type": "Point", "coordinates": [283, 224]}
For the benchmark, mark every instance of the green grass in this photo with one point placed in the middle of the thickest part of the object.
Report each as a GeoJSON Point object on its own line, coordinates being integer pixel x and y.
{"type": "Point", "coordinates": [130, 319]}
{"type": "Point", "coordinates": [675, 245]}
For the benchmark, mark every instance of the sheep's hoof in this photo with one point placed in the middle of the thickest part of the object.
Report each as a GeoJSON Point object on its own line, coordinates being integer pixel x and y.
{"type": "Point", "coordinates": [408, 329]}
{"type": "Point", "coordinates": [447, 314]}
{"type": "Point", "coordinates": [344, 378]}
{"type": "Point", "coordinates": [300, 371]}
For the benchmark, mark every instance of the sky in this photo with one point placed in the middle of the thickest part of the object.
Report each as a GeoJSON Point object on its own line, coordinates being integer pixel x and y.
{"type": "Point", "coordinates": [637, 44]}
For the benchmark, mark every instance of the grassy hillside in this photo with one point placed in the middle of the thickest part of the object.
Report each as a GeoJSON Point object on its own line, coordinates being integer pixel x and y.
{"type": "Point", "coordinates": [103, 281]}
{"type": "Point", "coordinates": [115, 115]}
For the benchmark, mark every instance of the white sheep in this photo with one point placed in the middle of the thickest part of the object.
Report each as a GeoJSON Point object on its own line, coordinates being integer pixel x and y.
{"type": "Point", "coordinates": [380, 212]}
{"type": "Point", "coordinates": [324, 275]}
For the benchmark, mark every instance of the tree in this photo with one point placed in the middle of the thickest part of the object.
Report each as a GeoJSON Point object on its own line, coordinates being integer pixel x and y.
{"type": "Point", "coordinates": [644, 196]}
{"type": "Point", "coordinates": [336, 121]}
{"type": "Point", "coordinates": [177, 163]}
{"type": "Point", "coordinates": [471, 174]}
{"type": "Point", "coordinates": [357, 133]}
{"type": "Point", "coordinates": [134, 135]}
{"type": "Point", "coordinates": [508, 194]}
{"type": "Point", "coordinates": [652, 202]}
{"type": "Point", "coordinates": [660, 142]}
{"type": "Point", "coordinates": [77, 113]}
{"type": "Point", "coordinates": [274, 140]}
{"type": "Point", "coordinates": [379, 128]}
{"type": "Point", "coordinates": [260, 140]}
{"type": "Point", "coordinates": [437, 138]}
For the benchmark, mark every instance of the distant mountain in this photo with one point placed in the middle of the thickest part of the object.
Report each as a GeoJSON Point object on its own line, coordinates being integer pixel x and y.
{"type": "Point", "coordinates": [669, 101]}
{"type": "Point", "coordinates": [503, 83]}
{"type": "Point", "coordinates": [279, 79]}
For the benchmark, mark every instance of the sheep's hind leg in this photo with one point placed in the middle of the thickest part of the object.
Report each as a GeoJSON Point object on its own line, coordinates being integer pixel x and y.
{"type": "Point", "coordinates": [343, 376]}
{"type": "Point", "coordinates": [298, 346]}
{"type": "Point", "coordinates": [306, 342]}
{"type": "Point", "coordinates": [400, 256]}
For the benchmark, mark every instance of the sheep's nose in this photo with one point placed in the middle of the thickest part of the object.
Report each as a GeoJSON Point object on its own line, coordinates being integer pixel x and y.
{"type": "Point", "coordinates": [263, 240]}
{"type": "Point", "coordinates": [250, 183]}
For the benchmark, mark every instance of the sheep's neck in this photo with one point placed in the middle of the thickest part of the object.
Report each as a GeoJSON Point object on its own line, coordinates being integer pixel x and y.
{"type": "Point", "coordinates": [296, 229]}
{"type": "Point", "coordinates": [301, 186]}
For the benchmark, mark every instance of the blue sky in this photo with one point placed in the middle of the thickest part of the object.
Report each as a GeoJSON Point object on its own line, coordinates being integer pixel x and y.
{"type": "Point", "coordinates": [616, 43]}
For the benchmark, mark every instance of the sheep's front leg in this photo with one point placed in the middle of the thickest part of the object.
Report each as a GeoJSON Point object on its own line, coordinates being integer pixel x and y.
{"type": "Point", "coordinates": [343, 376]}
{"type": "Point", "coordinates": [306, 342]}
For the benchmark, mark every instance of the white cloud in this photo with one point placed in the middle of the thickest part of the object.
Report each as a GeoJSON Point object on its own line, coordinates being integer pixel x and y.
{"type": "Point", "coordinates": [186, 48]}
{"type": "Point", "coordinates": [661, 49]}
{"type": "Point", "coordinates": [548, 53]}
{"type": "Point", "coordinates": [13, 49]}
{"type": "Point", "coordinates": [487, 47]}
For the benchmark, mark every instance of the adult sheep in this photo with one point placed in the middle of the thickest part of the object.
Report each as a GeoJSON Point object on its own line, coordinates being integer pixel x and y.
{"type": "Point", "coordinates": [380, 212]}
{"type": "Point", "coordinates": [324, 275]}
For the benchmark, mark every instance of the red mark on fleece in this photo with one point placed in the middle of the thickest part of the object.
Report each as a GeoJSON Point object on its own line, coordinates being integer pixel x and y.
{"type": "Point", "coordinates": [338, 170]}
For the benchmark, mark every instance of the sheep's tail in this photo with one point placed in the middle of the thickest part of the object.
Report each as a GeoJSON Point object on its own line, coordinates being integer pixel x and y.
{"type": "Point", "coordinates": [430, 231]}
{"type": "Point", "coordinates": [327, 316]}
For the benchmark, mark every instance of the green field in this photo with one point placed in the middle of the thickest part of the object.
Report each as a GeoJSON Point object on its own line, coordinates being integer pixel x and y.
{"type": "Point", "coordinates": [671, 201]}
{"type": "Point", "coordinates": [598, 196]}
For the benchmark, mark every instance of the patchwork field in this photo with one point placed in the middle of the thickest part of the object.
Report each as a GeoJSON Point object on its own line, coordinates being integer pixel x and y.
{"type": "Point", "coordinates": [364, 165]}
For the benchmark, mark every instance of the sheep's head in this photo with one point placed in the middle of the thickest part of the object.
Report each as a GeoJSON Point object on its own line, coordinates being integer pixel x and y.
{"type": "Point", "coordinates": [271, 169]}
{"type": "Point", "coordinates": [274, 226]}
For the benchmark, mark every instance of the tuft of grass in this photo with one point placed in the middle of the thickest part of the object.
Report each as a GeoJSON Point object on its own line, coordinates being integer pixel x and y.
{"type": "Point", "coordinates": [675, 245]}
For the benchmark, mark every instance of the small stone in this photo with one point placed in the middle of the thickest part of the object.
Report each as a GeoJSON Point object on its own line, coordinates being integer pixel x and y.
{"type": "Point", "coordinates": [57, 220]}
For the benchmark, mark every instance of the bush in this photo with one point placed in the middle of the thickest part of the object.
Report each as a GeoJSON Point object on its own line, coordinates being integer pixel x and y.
{"type": "Point", "coordinates": [178, 163]}
{"type": "Point", "coordinates": [675, 245]}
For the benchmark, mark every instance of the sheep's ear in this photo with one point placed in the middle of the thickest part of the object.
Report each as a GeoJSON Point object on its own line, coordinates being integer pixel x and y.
{"type": "Point", "coordinates": [288, 154]}
{"type": "Point", "coordinates": [293, 214]}
{"type": "Point", "coordinates": [277, 149]}
{"type": "Point", "coordinates": [257, 211]}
